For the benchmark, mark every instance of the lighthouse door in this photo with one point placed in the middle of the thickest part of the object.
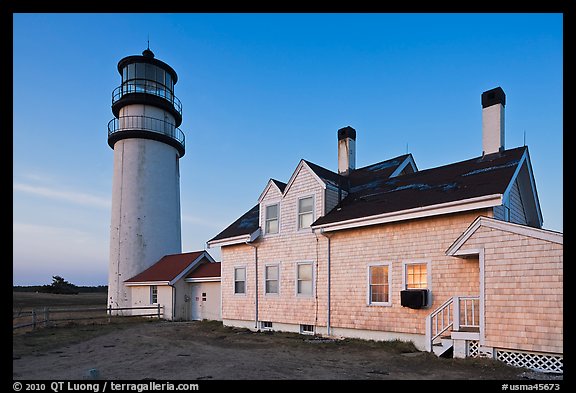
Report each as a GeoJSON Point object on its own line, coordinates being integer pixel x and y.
{"type": "Point", "coordinates": [196, 303]}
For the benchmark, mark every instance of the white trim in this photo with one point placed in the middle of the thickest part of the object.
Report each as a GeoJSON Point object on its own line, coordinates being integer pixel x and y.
{"type": "Point", "coordinates": [265, 216]}
{"type": "Point", "coordinates": [506, 194]}
{"type": "Point", "coordinates": [146, 283]}
{"type": "Point", "coordinates": [245, 280]}
{"type": "Point", "coordinates": [266, 265]}
{"type": "Point", "coordinates": [302, 164]}
{"type": "Point", "coordinates": [369, 301]}
{"type": "Point", "coordinates": [249, 237]}
{"type": "Point", "coordinates": [482, 294]}
{"type": "Point", "coordinates": [202, 279]}
{"type": "Point", "coordinates": [524, 230]}
{"type": "Point", "coordinates": [313, 196]}
{"type": "Point", "coordinates": [152, 287]}
{"type": "Point", "coordinates": [307, 332]}
{"type": "Point", "coordinates": [534, 191]}
{"type": "Point", "coordinates": [476, 203]}
{"type": "Point", "coordinates": [480, 253]}
{"type": "Point", "coordinates": [303, 295]}
{"type": "Point", "coordinates": [185, 271]}
{"type": "Point", "coordinates": [525, 160]}
{"type": "Point", "coordinates": [407, 161]}
{"type": "Point", "coordinates": [270, 183]}
{"type": "Point", "coordinates": [191, 266]}
{"type": "Point", "coordinates": [428, 264]}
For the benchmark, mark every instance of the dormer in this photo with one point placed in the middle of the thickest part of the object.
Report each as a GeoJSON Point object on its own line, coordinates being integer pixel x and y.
{"type": "Point", "coordinates": [270, 207]}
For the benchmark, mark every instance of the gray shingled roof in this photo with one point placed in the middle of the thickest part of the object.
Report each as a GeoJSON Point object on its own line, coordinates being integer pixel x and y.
{"type": "Point", "coordinates": [371, 190]}
{"type": "Point", "coordinates": [480, 176]}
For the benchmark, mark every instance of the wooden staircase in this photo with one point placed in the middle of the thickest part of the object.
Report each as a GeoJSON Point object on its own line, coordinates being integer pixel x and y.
{"type": "Point", "coordinates": [456, 319]}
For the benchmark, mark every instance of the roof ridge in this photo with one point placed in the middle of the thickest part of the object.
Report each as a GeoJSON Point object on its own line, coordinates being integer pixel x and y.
{"type": "Point", "coordinates": [389, 159]}
{"type": "Point", "coordinates": [495, 155]}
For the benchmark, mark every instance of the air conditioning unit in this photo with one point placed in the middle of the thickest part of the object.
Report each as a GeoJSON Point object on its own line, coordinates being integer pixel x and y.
{"type": "Point", "coordinates": [414, 298]}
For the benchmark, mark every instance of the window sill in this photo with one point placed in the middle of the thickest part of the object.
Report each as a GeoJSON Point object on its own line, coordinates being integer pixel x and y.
{"type": "Point", "coordinates": [374, 304]}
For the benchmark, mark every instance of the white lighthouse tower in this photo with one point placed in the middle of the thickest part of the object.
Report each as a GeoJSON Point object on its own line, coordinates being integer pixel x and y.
{"type": "Point", "coordinates": [147, 146]}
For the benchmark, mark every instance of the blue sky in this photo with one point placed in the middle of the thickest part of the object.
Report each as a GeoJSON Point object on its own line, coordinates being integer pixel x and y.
{"type": "Point", "coordinates": [259, 92]}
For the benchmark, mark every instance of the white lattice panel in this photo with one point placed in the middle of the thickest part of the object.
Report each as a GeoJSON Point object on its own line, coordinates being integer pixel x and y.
{"type": "Point", "coordinates": [473, 348]}
{"type": "Point", "coordinates": [533, 361]}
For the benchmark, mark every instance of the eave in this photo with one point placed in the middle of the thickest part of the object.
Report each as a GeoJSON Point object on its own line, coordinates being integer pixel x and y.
{"type": "Point", "coordinates": [476, 203]}
{"type": "Point", "coordinates": [246, 238]}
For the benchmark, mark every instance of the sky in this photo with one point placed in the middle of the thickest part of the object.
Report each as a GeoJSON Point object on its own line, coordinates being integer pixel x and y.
{"type": "Point", "coordinates": [260, 92]}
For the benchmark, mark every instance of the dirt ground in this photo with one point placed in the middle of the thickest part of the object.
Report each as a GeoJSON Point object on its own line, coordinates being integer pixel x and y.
{"type": "Point", "coordinates": [208, 350]}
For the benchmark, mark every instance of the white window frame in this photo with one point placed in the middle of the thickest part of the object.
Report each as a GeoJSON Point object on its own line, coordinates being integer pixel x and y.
{"type": "Point", "coordinates": [416, 262]}
{"type": "Point", "coordinates": [304, 295]}
{"type": "Point", "coordinates": [369, 301]}
{"type": "Point", "coordinates": [266, 266]}
{"type": "Point", "coordinates": [245, 281]}
{"type": "Point", "coordinates": [153, 293]}
{"type": "Point", "coordinates": [305, 331]}
{"type": "Point", "coordinates": [266, 325]}
{"type": "Point", "coordinates": [313, 196]}
{"type": "Point", "coordinates": [266, 233]}
{"type": "Point", "coordinates": [428, 264]}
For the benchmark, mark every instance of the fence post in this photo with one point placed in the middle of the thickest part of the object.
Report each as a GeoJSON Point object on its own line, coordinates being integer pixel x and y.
{"type": "Point", "coordinates": [109, 313]}
{"type": "Point", "coordinates": [33, 318]}
{"type": "Point", "coordinates": [158, 310]}
{"type": "Point", "coordinates": [46, 317]}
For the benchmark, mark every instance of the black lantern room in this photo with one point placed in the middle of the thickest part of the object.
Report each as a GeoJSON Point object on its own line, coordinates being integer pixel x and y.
{"type": "Point", "coordinates": [146, 81]}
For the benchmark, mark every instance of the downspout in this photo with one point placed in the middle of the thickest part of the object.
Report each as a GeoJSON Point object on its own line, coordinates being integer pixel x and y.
{"type": "Point", "coordinates": [173, 301]}
{"type": "Point", "coordinates": [328, 332]}
{"type": "Point", "coordinates": [256, 282]}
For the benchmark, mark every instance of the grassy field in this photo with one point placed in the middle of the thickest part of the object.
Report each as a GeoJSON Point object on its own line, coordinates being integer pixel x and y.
{"type": "Point", "coordinates": [60, 333]}
{"type": "Point", "coordinates": [26, 301]}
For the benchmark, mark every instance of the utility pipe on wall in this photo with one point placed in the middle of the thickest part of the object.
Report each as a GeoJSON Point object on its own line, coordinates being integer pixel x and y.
{"type": "Point", "coordinates": [328, 285]}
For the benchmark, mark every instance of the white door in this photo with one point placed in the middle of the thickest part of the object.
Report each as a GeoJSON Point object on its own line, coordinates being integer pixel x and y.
{"type": "Point", "coordinates": [196, 302]}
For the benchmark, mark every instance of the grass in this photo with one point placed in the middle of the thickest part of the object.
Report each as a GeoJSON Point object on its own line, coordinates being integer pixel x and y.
{"type": "Point", "coordinates": [26, 301]}
{"type": "Point", "coordinates": [28, 342]}
{"type": "Point", "coordinates": [47, 339]}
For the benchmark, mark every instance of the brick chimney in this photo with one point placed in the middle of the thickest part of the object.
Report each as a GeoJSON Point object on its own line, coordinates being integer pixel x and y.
{"type": "Point", "coordinates": [493, 102]}
{"type": "Point", "coordinates": [346, 150]}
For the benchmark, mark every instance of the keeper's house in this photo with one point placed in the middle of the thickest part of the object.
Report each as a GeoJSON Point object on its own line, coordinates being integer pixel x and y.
{"type": "Point", "coordinates": [452, 258]}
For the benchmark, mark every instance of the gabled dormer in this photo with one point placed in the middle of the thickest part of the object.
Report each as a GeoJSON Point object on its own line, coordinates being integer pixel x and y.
{"type": "Point", "coordinates": [311, 192]}
{"type": "Point", "coordinates": [271, 207]}
{"type": "Point", "coordinates": [520, 202]}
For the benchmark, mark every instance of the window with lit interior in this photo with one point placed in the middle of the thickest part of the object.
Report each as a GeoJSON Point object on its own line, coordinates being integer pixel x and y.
{"type": "Point", "coordinates": [379, 284]}
{"type": "Point", "coordinates": [416, 275]}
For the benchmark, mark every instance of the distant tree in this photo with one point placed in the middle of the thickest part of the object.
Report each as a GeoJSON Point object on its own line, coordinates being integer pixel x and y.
{"type": "Point", "coordinates": [59, 285]}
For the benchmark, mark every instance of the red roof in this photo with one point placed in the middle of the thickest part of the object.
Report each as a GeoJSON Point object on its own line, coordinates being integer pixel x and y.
{"type": "Point", "coordinates": [206, 270]}
{"type": "Point", "coordinates": [168, 267]}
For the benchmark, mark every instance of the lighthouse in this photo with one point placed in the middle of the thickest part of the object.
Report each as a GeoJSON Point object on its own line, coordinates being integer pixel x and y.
{"type": "Point", "coordinates": [147, 143]}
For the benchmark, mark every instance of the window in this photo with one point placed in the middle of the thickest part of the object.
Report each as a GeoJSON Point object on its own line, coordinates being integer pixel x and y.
{"type": "Point", "coordinates": [416, 275]}
{"type": "Point", "coordinates": [271, 277]}
{"type": "Point", "coordinates": [306, 329]}
{"type": "Point", "coordinates": [271, 225]}
{"type": "Point", "coordinates": [240, 280]}
{"type": "Point", "coordinates": [304, 279]}
{"type": "Point", "coordinates": [379, 284]}
{"type": "Point", "coordinates": [153, 294]}
{"type": "Point", "coordinates": [265, 325]}
{"type": "Point", "coordinates": [305, 212]}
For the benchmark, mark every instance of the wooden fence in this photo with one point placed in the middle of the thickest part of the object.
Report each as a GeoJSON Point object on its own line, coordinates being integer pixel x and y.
{"type": "Point", "coordinates": [49, 316]}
